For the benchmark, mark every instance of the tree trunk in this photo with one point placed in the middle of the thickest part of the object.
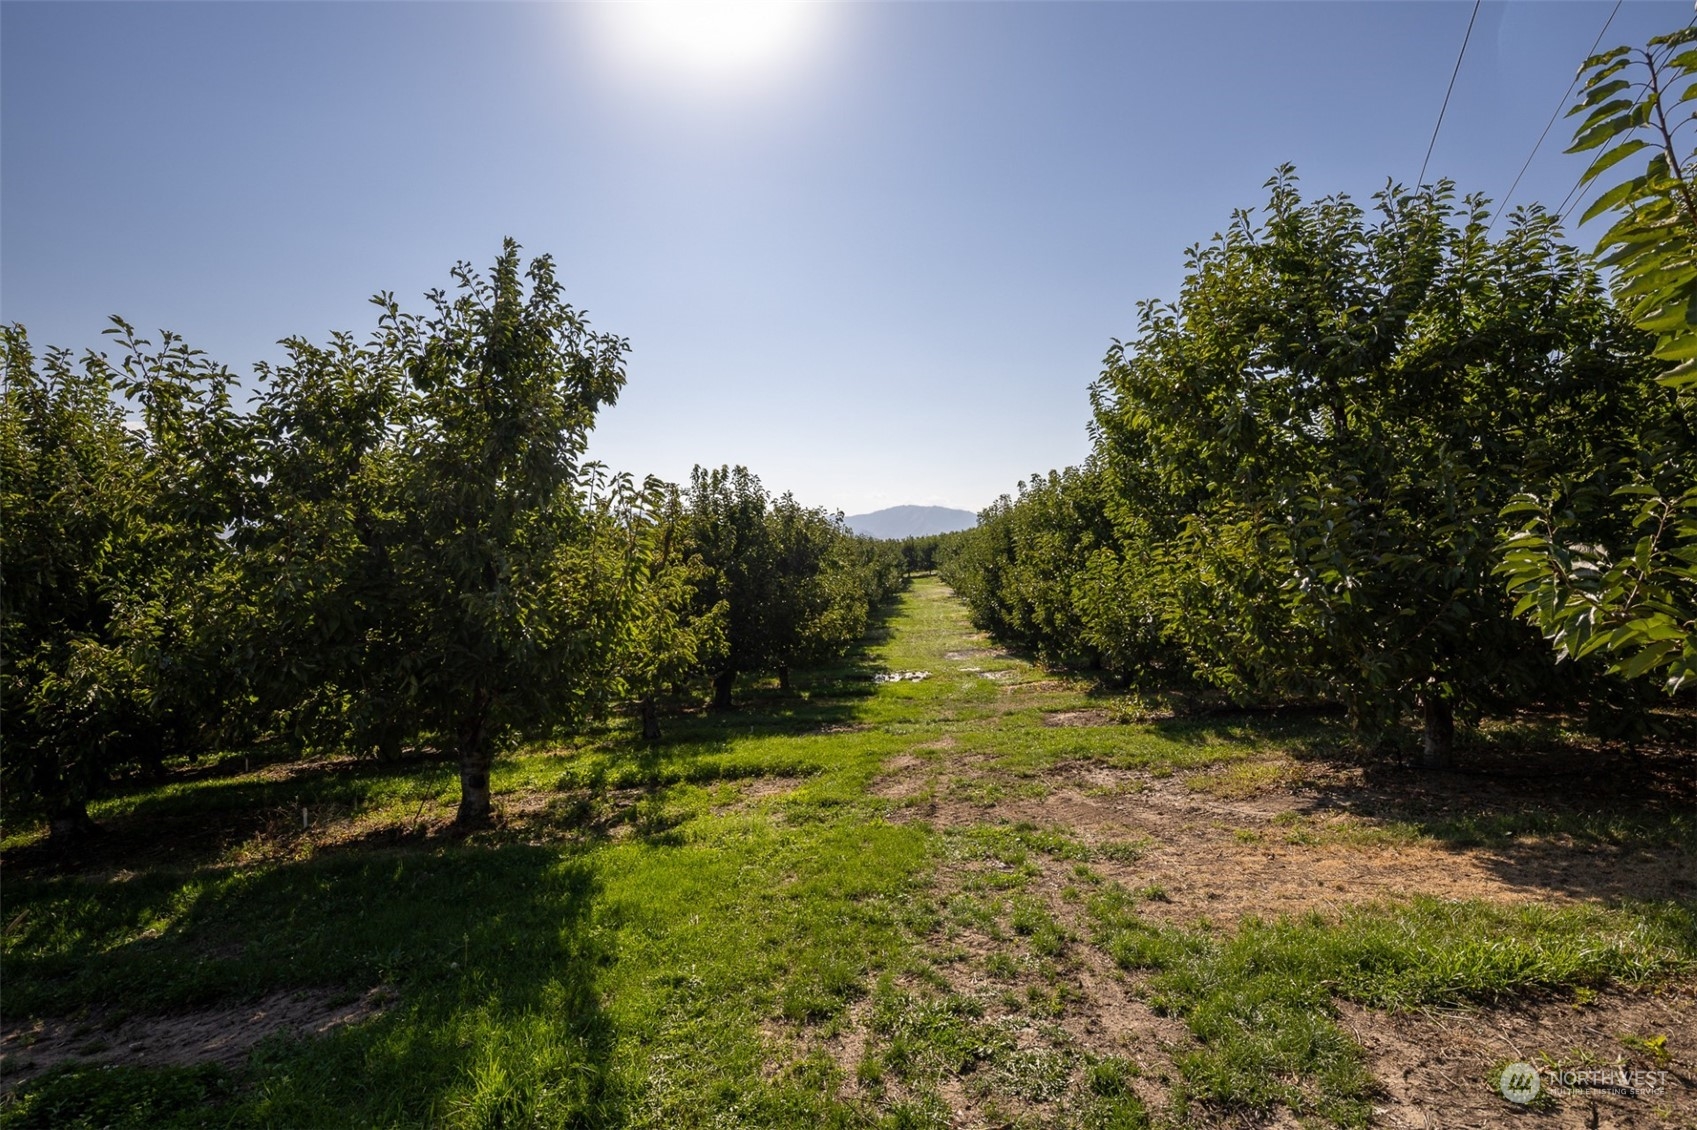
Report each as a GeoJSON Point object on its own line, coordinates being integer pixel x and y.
{"type": "Point", "coordinates": [650, 720]}
{"type": "Point", "coordinates": [476, 756]}
{"type": "Point", "coordinates": [722, 683]}
{"type": "Point", "coordinates": [784, 677]}
{"type": "Point", "coordinates": [69, 825]}
{"type": "Point", "coordinates": [1437, 743]}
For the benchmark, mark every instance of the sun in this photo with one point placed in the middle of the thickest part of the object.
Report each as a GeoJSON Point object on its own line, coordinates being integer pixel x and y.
{"type": "Point", "coordinates": [726, 38]}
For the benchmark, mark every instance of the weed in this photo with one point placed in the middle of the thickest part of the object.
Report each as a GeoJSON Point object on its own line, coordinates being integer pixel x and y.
{"type": "Point", "coordinates": [1655, 1048]}
{"type": "Point", "coordinates": [1122, 851]}
{"type": "Point", "coordinates": [1033, 921]}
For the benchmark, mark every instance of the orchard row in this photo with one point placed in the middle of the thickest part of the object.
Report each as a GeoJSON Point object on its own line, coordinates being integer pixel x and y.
{"type": "Point", "coordinates": [1379, 457]}
{"type": "Point", "coordinates": [397, 545]}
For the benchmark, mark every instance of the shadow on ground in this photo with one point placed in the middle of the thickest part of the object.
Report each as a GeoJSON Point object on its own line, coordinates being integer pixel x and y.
{"type": "Point", "coordinates": [471, 943]}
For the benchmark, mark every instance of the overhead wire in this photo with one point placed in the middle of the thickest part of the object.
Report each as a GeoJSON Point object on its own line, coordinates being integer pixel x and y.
{"type": "Point", "coordinates": [1562, 212]}
{"type": "Point", "coordinates": [1554, 114]}
{"type": "Point", "coordinates": [1447, 92]}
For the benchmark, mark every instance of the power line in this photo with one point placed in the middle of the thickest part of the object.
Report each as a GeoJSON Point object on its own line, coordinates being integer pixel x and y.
{"type": "Point", "coordinates": [1448, 90]}
{"type": "Point", "coordinates": [1554, 114]}
{"type": "Point", "coordinates": [1561, 209]}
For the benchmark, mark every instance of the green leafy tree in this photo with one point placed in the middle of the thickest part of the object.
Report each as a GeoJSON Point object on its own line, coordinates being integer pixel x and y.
{"type": "Point", "coordinates": [727, 530]}
{"type": "Point", "coordinates": [435, 562]}
{"type": "Point", "coordinates": [120, 581]}
{"type": "Point", "coordinates": [820, 584]}
{"type": "Point", "coordinates": [507, 615]}
{"type": "Point", "coordinates": [1331, 417]}
{"type": "Point", "coordinates": [671, 638]}
{"type": "Point", "coordinates": [877, 569]}
{"type": "Point", "coordinates": [328, 638]}
{"type": "Point", "coordinates": [796, 585]}
{"type": "Point", "coordinates": [71, 495]}
{"type": "Point", "coordinates": [921, 554]}
{"type": "Point", "coordinates": [1614, 572]}
{"type": "Point", "coordinates": [1022, 571]}
{"type": "Point", "coordinates": [188, 606]}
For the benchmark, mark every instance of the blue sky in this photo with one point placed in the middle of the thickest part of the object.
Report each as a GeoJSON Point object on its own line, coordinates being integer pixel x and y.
{"type": "Point", "coordinates": [878, 263]}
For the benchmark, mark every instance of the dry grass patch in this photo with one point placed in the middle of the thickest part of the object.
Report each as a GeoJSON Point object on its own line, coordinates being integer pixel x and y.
{"type": "Point", "coordinates": [1245, 779]}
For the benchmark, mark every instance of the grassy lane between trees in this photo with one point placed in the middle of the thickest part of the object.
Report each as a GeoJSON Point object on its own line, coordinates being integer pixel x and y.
{"type": "Point", "coordinates": [975, 895]}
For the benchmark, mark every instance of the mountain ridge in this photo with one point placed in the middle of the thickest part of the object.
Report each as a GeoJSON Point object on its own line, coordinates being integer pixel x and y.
{"type": "Point", "coordinates": [911, 521]}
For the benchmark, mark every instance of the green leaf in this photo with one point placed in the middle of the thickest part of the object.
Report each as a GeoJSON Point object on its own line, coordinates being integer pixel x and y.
{"type": "Point", "coordinates": [1674, 317]}
{"type": "Point", "coordinates": [1681, 376]}
{"type": "Point", "coordinates": [1606, 110]}
{"type": "Point", "coordinates": [1598, 134]}
{"type": "Point", "coordinates": [1625, 190]}
{"type": "Point", "coordinates": [1610, 61]}
{"type": "Point", "coordinates": [1681, 348]}
{"type": "Point", "coordinates": [1653, 656]}
{"type": "Point", "coordinates": [1612, 157]}
{"type": "Point", "coordinates": [1598, 93]}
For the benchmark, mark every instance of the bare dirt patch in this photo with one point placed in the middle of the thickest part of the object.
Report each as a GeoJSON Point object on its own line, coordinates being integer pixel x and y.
{"type": "Point", "coordinates": [1288, 848]}
{"type": "Point", "coordinates": [221, 1036]}
{"type": "Point", "coordinates": [1442, 1068]}
{"type": "Point", "coordinates": [759, 789]}
{"type": "Point", "coordinates": [1078, 718]}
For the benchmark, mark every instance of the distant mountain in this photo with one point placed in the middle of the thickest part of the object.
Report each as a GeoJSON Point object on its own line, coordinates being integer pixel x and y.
{"type": "Point", "coordinates": [911, 521]}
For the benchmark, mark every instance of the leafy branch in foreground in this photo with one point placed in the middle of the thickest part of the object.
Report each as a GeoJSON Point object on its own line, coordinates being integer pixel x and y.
{"type": "Point", "coordinates": [1638, 606]}
{"type": "Point", "coordinates": [1651, 243]}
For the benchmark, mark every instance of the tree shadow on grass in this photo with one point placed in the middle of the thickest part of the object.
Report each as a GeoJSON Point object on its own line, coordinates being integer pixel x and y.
{"type": "Point", "coordinates": [1302, 732]}
{"type": "Point", "coordinates": [1541, 811]}
{"type": "Point", "coordinates": [190, 823]}
{"type": "Point", "coordinates": [494, 956]}
{"type": "Point", "coordinates": [1528, 800]}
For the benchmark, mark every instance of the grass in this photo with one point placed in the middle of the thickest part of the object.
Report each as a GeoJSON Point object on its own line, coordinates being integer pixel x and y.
{"type": "Point", "coordinates": [1259, 1000]}
{"type": "Point", "coordinates": [699, 932]}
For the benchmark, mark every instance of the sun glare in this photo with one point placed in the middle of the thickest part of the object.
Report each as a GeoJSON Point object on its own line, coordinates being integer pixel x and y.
{"type": "Point", "coordinates": [721, 39]}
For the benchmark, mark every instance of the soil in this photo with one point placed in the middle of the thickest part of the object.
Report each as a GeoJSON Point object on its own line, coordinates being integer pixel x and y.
{"type": "Point", "coordinates": [758, 789]}
{"type": "Point", "coordinates": [221, 1036]}
{"type": "Point", "coordinates": [1289, 848]}
{"type": "Point", "coordinates": [1441, 1069]}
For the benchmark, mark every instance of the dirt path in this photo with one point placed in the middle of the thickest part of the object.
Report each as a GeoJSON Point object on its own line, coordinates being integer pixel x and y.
{"type": "Point", "coordinates": [1282, 835]}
